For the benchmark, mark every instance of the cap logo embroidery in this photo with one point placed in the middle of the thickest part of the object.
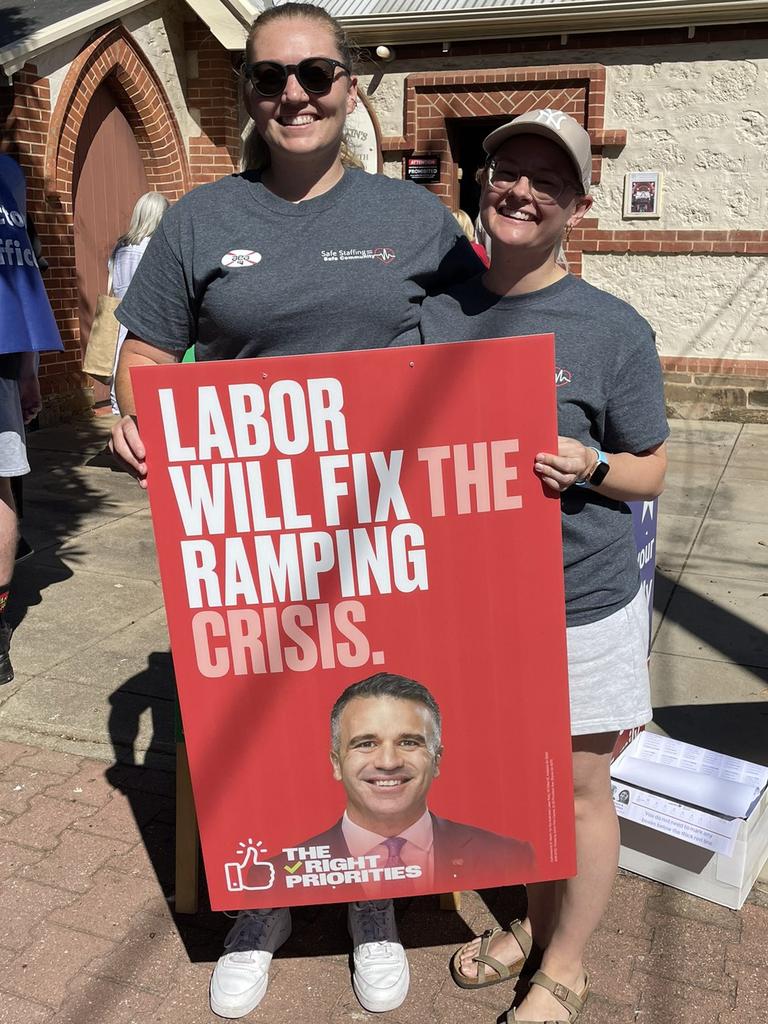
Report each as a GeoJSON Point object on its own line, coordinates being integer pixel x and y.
{"type": "Point", "coordinates": [552, 118]}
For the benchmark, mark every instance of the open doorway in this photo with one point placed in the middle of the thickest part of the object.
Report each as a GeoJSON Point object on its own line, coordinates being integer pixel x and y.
{"type": "Point", "coordinates": [465, 136]}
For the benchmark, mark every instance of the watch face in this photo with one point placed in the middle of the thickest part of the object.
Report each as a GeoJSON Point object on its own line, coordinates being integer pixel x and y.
{"type": "Point", "coordinates": [599, 474]}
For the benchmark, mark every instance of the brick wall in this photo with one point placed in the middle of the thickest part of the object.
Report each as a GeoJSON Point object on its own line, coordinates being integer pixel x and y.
{"type": "Point", "coordinates": [213, 94]}
{"type": "Point", "coordinates": [716, 389]}
{"type": "Point", "coordinates": [432, 97]}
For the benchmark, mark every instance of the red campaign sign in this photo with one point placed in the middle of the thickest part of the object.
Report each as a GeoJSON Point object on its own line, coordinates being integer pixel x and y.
{"type": "Point", "coordinates": [324, 519]}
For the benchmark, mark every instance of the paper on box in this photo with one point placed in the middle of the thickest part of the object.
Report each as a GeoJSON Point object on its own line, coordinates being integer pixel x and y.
{"type": "Point", "coordinates": [726, 785]}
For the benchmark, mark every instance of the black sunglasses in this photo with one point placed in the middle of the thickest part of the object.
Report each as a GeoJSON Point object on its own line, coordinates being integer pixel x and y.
{"type": "Point", "coordinates": [315, 75]}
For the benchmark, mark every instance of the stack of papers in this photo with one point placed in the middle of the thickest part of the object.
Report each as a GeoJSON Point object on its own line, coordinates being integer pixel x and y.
{"type": "Point", "coordinates": [686, 791]}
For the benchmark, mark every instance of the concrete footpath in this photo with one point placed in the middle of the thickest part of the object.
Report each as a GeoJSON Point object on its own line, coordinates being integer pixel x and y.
{"type": "Point", "coordinates": [87, 929]}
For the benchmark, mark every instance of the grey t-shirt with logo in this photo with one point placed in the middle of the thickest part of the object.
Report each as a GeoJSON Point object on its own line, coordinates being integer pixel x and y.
{"type": "Point", "coordinates": [243, 273]}
{"type": "Point", "coordinates": [609, 395]}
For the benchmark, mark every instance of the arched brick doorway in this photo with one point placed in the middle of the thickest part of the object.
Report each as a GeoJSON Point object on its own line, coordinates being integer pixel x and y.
{"type": "Point", "coordinates": [110, 87]}
{"type": "Point", "coordinates": [108, 178]}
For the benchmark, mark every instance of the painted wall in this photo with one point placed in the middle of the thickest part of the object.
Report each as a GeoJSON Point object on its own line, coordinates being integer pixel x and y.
{"type": "Point", "coordinates": [704, 125]}
{"type": "Point", "coordinates": [701, 121]}
{"type": "Point", "coordinates": [707, 306]}
{"type": "Point", "coordinates": [698, 114]}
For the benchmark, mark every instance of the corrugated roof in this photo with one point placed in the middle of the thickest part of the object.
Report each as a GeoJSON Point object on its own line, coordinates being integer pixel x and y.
{"type": "Point", "coordinates": [360, 8]}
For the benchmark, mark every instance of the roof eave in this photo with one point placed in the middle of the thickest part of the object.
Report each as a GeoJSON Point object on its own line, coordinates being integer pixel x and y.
{"type": "Point", "coordinates": [229, 21]}
{"type": "Point", "coordinates": [371, 29]}
{"type": "Point", "coordinates": [13, 58]}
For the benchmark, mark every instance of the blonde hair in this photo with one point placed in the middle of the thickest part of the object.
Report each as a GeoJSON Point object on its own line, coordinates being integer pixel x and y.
{"type": "Point", "coordinates": [465, 224]}
{"type": "Point", "coordinates": [147, 214]}
{"type": "Point", "coordinates": [255, 152]}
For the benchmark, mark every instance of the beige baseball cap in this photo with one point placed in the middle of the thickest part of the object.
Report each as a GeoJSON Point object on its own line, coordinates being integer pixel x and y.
{"type": "Point", "coordinates": [555, 125]}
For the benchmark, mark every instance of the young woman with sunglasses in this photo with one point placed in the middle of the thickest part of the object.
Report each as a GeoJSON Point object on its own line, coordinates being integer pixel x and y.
{"type": "Point", "coordinates": [297, 255]}
{"type": "Point", "coordinates": [611, 450]}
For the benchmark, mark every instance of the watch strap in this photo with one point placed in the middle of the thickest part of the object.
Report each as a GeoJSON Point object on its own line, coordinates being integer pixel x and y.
{"type": "Point", "coordinates": [599, 470]}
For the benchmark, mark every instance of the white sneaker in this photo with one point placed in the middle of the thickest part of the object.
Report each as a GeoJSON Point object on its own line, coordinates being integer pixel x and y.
{"type": "Point", "coordinates": [240, 978]}
{"type": "Point", "coordinates": [380, 975]}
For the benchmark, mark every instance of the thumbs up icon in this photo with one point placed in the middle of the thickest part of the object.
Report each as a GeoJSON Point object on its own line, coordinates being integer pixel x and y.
{"type": "Point", "coordinates": [250, 873]}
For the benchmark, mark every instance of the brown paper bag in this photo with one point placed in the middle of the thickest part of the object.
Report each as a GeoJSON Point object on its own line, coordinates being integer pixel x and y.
{"type": "Point", "coordinates": [102, 342]}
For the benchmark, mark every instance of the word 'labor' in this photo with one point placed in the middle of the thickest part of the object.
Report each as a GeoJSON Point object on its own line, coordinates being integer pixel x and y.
{"type": "Point", "coordinates": [295, 417]}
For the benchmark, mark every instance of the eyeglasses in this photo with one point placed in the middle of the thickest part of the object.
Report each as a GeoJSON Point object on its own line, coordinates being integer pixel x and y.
{"type": "Point", "coordinates": [546, 186]}
{"type": "Point", "coordinates": [315, 75]}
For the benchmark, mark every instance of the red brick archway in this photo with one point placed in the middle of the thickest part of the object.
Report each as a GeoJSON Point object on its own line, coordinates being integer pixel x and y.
{"type": "Point", "coordinates": [111, 58]}
{"type": "Point", "coordinates": [114, 55]}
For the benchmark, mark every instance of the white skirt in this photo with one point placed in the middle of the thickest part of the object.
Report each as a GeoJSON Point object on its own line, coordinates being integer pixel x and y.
{"type": "Point", "coordinates": [608, 671]}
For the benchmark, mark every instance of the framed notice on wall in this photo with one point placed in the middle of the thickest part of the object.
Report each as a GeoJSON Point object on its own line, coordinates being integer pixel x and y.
{"type": "Point", "coordinates": [367, 520]}
{"type": "Point", "coordinates": [642, 194]}
{"type": "Point", "coordinates": [423, 169]}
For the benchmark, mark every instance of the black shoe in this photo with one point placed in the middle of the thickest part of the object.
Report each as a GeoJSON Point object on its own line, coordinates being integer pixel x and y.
{"type": "Point", "coordinates": [6, 668]}
{"type": "Point", "coordinates": [24, 550]}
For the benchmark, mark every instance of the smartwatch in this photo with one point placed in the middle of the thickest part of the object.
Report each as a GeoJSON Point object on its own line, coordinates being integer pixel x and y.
{"type": "Point", "coordinates": [600, 471]}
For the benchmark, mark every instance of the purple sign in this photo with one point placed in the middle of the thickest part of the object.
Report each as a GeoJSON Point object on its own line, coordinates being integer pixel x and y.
{"type": "Point", "coordinates": [644, 518]}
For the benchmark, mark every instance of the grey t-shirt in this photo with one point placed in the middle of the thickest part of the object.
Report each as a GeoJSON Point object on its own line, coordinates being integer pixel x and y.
{"type": "Point", "coordinates": [609, 395]}
{"type": "Point", "coordinates": [242, 273]}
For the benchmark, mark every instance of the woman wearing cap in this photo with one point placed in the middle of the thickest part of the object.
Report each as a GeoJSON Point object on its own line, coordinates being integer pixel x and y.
{"type": "Point", "coordinates": [300, 254]}
{"type": "Point", "coordinates": [611, 450]}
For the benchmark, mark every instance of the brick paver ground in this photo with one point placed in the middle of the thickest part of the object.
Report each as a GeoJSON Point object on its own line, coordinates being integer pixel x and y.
{"type": "Point", "coordinates": [88, 934]}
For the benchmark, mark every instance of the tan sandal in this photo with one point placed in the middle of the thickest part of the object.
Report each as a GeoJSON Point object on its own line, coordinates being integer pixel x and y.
{"type": "Point", "coordinates": [483, 959]}
{"type": "Point", "coordinates": [573, 1003]}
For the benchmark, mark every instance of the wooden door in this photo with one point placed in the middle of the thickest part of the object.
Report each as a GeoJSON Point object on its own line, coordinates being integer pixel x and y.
{"type": "Point", "coordinates": [108, 178]}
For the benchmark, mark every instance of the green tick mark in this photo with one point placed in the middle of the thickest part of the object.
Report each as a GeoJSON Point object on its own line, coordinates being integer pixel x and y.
{"type": "Point", "coordinates": [293, 868]}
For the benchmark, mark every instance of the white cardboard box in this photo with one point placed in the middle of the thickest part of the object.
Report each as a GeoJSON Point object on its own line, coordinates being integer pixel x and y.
{"type": "Point", "coordinates": [727, 853]}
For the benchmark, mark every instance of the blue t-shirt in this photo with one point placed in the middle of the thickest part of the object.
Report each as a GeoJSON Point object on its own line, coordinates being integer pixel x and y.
{"type": "Point", "coordinates": [27, 323]}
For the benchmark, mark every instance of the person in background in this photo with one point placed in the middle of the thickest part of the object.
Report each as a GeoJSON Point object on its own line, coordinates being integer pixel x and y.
{"type": "Point", "coordinates": [27, 327]}
{"type": "Point", "coordinates": [126, 256]}
{"type": "Point", "coordinates": [465, 223]}
{"type": "Point", "coordinates": [256, 264]}
{"type": "Point", "coordinates": [612, 426]}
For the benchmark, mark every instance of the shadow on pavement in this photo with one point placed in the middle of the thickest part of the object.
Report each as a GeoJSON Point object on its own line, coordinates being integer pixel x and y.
{"type": "Point", "coordinates": [58, 500]}
{"type": "Point", "coordinates": [739, 730]}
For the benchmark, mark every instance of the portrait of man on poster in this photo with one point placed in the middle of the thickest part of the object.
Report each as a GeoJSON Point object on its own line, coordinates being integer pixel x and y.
{"type": "Point", "coordinates": [386, 750]}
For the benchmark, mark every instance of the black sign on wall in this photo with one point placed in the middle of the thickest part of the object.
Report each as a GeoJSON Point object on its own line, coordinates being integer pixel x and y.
{"type": "Point", "coordinates": [424, 169]}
